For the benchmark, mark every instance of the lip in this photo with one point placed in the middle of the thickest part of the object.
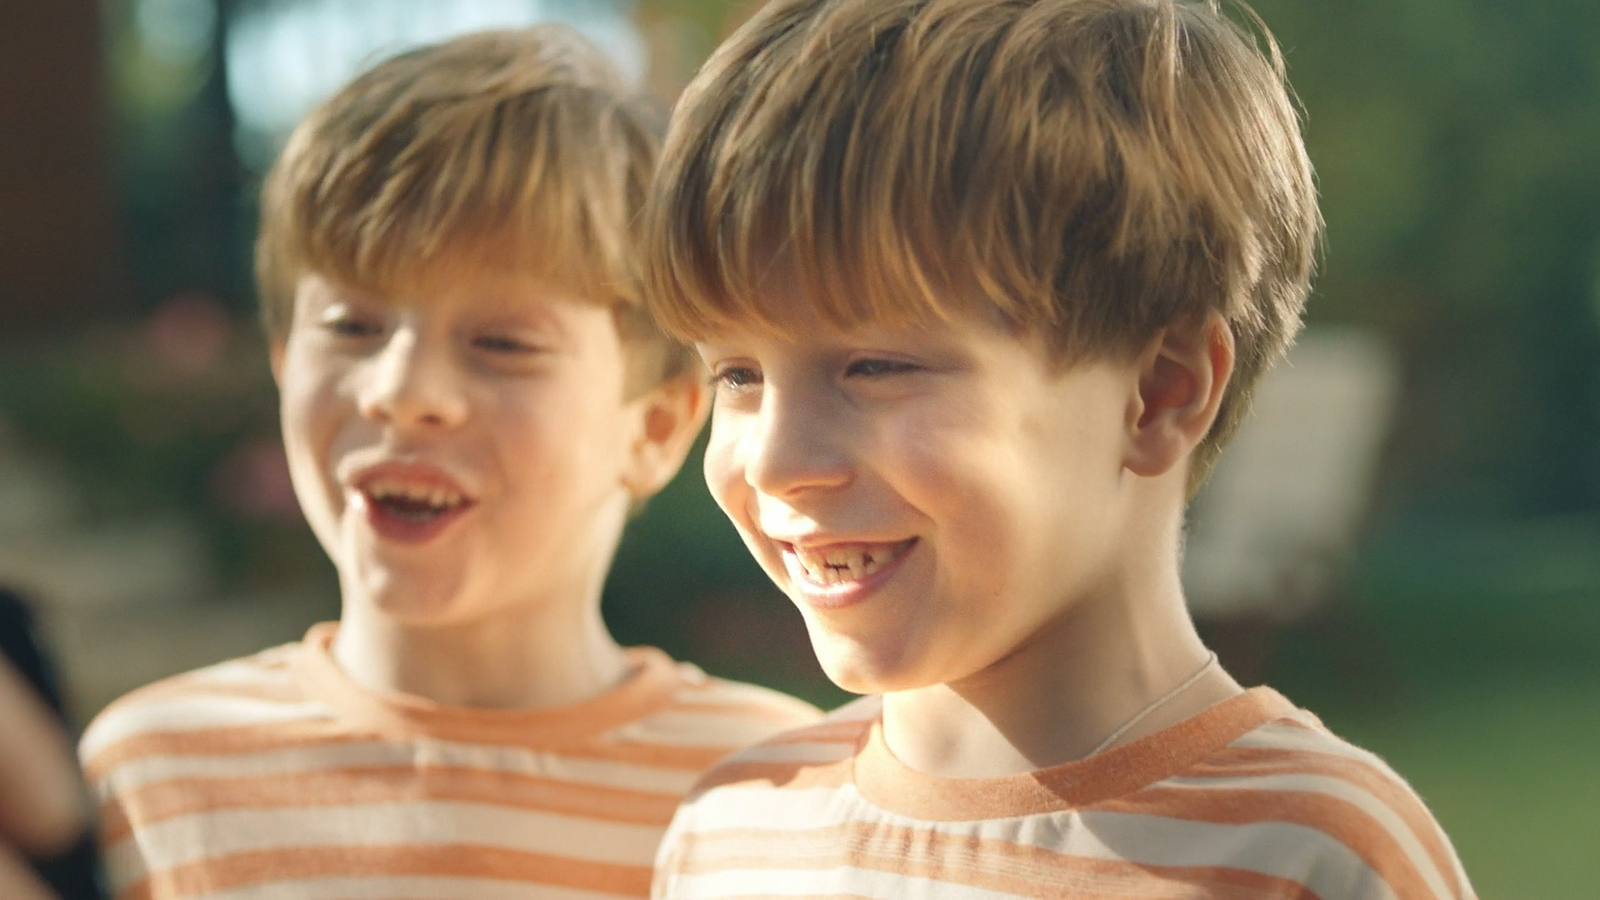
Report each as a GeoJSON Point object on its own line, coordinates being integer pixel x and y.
{"type": "Point", "coordinates": [399, 529]}
{"type": "Point", "coordinates": [843, 594]}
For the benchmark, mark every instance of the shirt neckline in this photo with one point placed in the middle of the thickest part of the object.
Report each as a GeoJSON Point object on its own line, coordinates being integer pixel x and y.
{"type": "Point", "coordinates": [890, 784]}
{"type": "Point", "coordinates": [654, 680]}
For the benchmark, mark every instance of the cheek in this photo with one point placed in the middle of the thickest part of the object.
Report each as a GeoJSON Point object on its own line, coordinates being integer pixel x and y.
{"type": "Point", "coordinates": [309, 418]}
{"type": "Point", "coordinates": [949, 470]}
{"type": "Point", "coordinates": [549, 440]}
{"type": "Point", "coordinates": [305, 405]}
{"type": "Point", "coordinates": [722, 471]}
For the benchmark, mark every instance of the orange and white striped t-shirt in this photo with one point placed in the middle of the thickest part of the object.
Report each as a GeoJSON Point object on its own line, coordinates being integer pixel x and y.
{"type": "Point", "coordinates": [276, 776]}
{"type": "Point", "coordinates": [1251, 799]}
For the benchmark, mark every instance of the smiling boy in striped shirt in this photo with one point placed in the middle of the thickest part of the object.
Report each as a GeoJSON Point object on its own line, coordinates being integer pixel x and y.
{"type": "Point", "coordinates": [985, 286]}
{"type": "Point", "coordinates": [472, 402]}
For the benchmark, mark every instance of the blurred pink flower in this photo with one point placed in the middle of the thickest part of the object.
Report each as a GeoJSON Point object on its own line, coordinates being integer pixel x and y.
{"type": "Point", "coordinates": [253, 481]}
{"type": "Point", "coordinates": [189, 334]}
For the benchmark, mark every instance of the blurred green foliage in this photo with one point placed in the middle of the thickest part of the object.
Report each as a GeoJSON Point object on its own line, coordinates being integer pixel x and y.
{"type": "Point", "coordinates": [1458, 149]}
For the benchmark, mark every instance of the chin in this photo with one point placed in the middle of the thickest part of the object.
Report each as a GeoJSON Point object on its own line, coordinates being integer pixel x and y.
{"type": "Point", "coordinates": [863, 668]}
{"type": "Point", "coordinates": [413, 601]}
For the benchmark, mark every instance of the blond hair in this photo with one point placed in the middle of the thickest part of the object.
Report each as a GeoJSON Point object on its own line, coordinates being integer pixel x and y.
{"type": "Point", "coordinates": [521, 142]}
{"type": "Point", "coordinates": [1096, 170]}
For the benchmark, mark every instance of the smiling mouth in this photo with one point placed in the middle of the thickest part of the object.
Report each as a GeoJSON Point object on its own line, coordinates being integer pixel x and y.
{"type": "Point", "coordinates": [843, 563]}
{"type": "Point", "coordinates": [415, 503]}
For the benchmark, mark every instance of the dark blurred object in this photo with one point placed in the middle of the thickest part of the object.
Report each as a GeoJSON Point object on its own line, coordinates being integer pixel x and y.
{"type": "Point", "coordinates": [19, 640]}
{"type": "Point", "coordinates": [59, 260]}
{"type": "Point", "coordinates": [74, 874]}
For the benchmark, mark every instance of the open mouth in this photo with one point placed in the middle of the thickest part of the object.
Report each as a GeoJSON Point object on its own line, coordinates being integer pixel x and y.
{"type": "Point", "coordinates": [418, 504]}
{"type": "Point", "coordinates": [839, 564]}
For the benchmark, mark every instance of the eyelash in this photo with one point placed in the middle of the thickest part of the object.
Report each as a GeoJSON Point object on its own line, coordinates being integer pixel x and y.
{"type": "Point", "coordinates": [726, 378]}
{"type": "Point", "coordinates": [351, 327]}
{"type": "Point", "coordinates": [870, 368]}
{"type": "Point", "coordinates": [503, 345]}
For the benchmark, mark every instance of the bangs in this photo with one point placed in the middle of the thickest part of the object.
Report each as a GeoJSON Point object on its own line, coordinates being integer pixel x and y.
{"type": "Point", "coordinates": [883, 212]}
{"type": "Point", "coordinates": [1090, 170]}
{"type": "Point", "coordinates": [536, 205]}
{"type": "Point", "coordinates": [860, 223]}
{"type": "Point", "coordinates": [517, 150]}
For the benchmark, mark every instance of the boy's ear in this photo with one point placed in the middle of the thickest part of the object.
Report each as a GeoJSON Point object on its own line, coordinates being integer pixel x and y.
{"type": "Point", "coordinates": [1182, 376]}
{"type": "Point", "coordinates": [671, 414]}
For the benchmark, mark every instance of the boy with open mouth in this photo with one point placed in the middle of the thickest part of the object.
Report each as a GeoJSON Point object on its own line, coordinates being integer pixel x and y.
{"type": "Point", "coordinates": [985, 286]}
{"type": "Point", "coordinates": [473, 401]}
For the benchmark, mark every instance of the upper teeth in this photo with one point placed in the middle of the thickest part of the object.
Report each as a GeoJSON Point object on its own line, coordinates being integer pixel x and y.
{"type": "Point", "coordinates": [433, 495]}
{"type": "Point", "coordinates": [831, 565]}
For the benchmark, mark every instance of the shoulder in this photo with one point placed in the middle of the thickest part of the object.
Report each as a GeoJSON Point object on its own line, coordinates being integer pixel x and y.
{"type": "Point", "coordinates": [785, 780]}
{"type": "Point", "coordinates": [767, 710]}
{"type": "Point", "coordinates": [1346, 813]}
{"type": "Point", "coordinates": [715, 716]}
{"type": "Point", "coordinates": [247, 691]}
{"type": "Point", "coordinates": [809, 755]}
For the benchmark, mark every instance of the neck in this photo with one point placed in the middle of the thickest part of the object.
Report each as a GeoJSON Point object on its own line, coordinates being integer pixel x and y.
{"type": "Point", "coordinates": [1114, 652]}
{"type": "Point", "coordinates": [519, 659]}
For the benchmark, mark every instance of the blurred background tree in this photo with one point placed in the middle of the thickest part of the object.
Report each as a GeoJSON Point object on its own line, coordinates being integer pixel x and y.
{"type": "Point", "coordinates": [1458, 149]}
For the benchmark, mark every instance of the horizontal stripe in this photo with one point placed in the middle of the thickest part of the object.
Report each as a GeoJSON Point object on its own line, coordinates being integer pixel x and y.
{"type": "Point", "coordinates": [681, 728]}
{"type": "Point", "coordinates": [923, 855]}
{"type": "Point", "coordinates": [268, 668]}
{"type": "Point", "coordinates": [796, 752]}
{"type": "Point", "coordinates": [840, 882]}
{"type": "Point", "coordinates": [352, 787]}
{"type": "Point", "coordinates": [1280, 850]}
{"type": "Point", "coordinates": [829, 732]}
{"type": "Point", "coordinates": [188, 839]}
{"type": "Point", "coordinates": [433, 860]}
{"type": "Point", "coordinates": [852, 882]}
{"type": "Point", "coordinates": [136, 774]}
{"type": "Point", "coordinates": [793, 777]}
{"type": "Point", "coordinates": [407, 887]}
{"type": "Point", "coordinates": [749, 701]}
{"type": "Point", "coordinates": [311, 733]}
{"type": "Point", "coordinates": [193, 713]}
{"type": "Point", "coordinates": [1276, 849]}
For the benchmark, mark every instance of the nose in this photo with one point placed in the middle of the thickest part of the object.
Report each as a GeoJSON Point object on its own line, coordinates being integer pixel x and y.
{"type": "Point", "coordinates": [413, 382]}
{"type": "Point", "coordinates": [796, 444]}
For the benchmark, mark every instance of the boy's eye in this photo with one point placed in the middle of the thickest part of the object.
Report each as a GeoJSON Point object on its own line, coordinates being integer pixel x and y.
{"type": "Point", "coordinates": [496, 343]}
{"type": "Point", "coordinates": [353, 327]}
{"type": "Point", "coordinates": [875, 367]}
{"type": "Point", "coordinates": [736, 378]}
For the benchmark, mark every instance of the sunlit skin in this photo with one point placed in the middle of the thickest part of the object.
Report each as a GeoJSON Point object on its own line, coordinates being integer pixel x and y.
{"type": "Point", "coordinates": [987, 539]}
{"type": "Point", "coordinates": [467, 452]}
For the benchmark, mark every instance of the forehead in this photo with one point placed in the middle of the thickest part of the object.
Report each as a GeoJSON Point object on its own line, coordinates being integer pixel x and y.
{"type": "Point", "coordinates": [474, 276]}
{"type": "Point", "coordinates": [795, 312]}
{"type": "Point", "coordinates": [973, 332]}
